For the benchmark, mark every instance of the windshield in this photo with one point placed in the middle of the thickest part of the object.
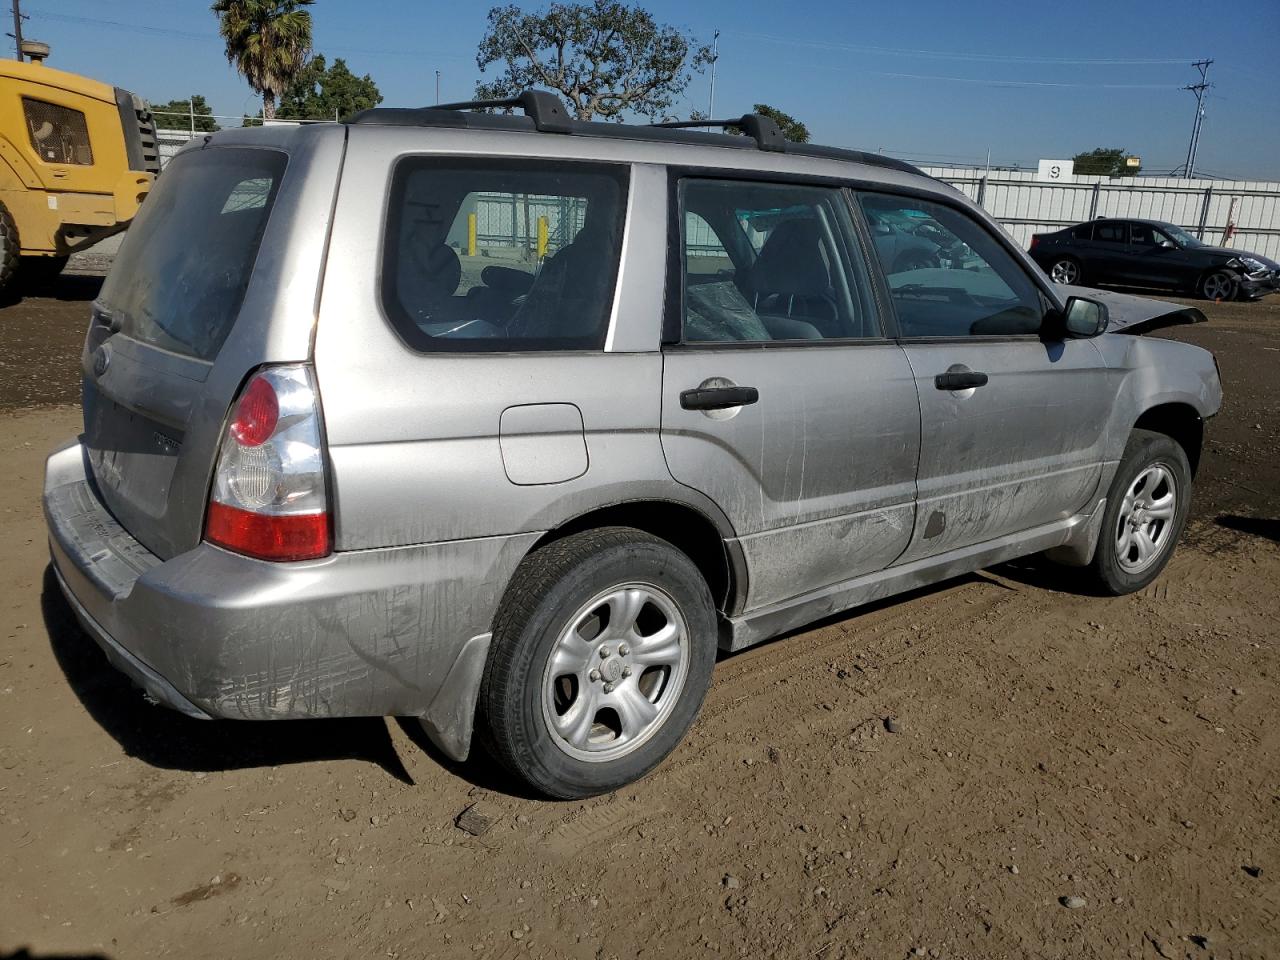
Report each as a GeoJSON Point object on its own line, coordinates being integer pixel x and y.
{"type": "Point", "coordinates": [1180, 236]}
{"type": "Point", "coordinates": [183, 268]}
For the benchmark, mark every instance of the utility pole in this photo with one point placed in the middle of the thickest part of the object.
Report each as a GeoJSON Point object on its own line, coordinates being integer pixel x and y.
{"type": "Point", "coordinates": [715, 55]}
{"type": "Point", "coordinates": [437, 86]}
{"type": "Point", "coordinates": [1189, 169]}
{"type": "Point", "coordinates": [17, 28]}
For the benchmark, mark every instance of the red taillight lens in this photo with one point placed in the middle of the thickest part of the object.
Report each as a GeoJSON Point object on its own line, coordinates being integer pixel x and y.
{"type": "Point", "coordinates": [1034, 240]}
{"type": "Point", "coordinates": [269, 498]}
{"type": "Point", "coordinates": [297, 537]}
{"type": "Point", "coordinates": [256, 414]}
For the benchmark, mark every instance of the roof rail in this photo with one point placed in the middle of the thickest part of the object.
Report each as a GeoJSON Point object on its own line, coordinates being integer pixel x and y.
{"type": "Point", "coordinates": [544, 108]}
{"type": "Point", "coordinates": [766, 133]}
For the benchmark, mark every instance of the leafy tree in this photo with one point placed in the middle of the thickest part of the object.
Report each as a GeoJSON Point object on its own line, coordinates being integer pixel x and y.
{"type": "Point", "coordinates": [267, 41]}
{"type": "Point", "coordinates": [605, 57]}
{"type": "Point", "coordinates": [320, 92]}
{"type": "Point", "coordinates": [1104, 162]}
{"type": "Point", "coordinates": [792, 128]}
{"type": "Point", "coordinates": [176, 114]}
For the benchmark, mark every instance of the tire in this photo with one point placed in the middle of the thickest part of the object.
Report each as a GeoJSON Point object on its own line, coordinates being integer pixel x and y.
{"type": "Point", "coordinates": [1218, 285]}
{"type": "Point", "coordinates": [582, 728]}
{"type": "Point", "coordinates": [1066, 270]}
{"type": "Point", "coordinates": [8, 250]}
{"type": "Point", "coordinates": [1154, 465]}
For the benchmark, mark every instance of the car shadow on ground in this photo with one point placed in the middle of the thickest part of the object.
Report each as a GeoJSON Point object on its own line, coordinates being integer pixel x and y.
{"type": "Point", "coordinates": [70, 287]}
{"type": "Point", "coordinates": [480, 769]}
{"type": "Point", "coordinates": [165, 738]}
{"type": "Point", "coordinates": [1268, 529]}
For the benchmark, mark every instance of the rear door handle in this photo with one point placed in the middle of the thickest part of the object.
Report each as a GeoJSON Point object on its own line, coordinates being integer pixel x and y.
{"type": "Point", "coordinates": [718, 398]}
{"type": "Point", "coordinates": [960, 381]}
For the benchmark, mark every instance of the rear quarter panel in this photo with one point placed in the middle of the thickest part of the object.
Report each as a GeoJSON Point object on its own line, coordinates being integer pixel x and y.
{"type": "Point", "coordinates": [416, 439]}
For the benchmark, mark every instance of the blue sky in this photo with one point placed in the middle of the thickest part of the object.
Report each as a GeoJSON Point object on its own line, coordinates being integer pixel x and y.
{"type": "Point", "coordinates": [932, 81]}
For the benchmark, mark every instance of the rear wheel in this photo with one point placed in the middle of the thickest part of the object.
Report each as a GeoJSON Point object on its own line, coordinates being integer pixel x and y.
{"type": "Point", "coordinates": [1065, 270]}
{"type": "Point", "coordinates": [601, 655]}
{"type": "Point", "coordinates": [1145, 513]}
{"type": "Point", "coordinates": [1218, 285]}
{"type": "Point", "coordinates": [8, 249]}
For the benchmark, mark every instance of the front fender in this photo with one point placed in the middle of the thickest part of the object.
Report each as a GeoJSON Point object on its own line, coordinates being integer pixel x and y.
{"type": "Point", "coordinates": [1151, 373]}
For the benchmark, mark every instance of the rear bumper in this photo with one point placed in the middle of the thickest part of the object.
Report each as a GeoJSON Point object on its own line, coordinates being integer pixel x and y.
{"type": "Point", "coordinates": [214, 634]}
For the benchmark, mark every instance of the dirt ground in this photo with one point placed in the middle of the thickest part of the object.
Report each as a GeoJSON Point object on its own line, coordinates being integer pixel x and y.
{"type": "Point", "coordinates": [1051, 745]}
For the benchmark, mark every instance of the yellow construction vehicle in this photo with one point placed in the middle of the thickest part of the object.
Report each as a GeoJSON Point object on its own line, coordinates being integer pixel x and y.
{"type": "Point", "coordinates": [77, 157]}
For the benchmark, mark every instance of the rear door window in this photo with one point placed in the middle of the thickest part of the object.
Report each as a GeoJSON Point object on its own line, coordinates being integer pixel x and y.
{"type": "Point", "coordinates": [771, 262]}
{"type": "Point", "coordinates": [1111, 232]}
{"type": "Point", "coordinates": [185, 264]}
{"type": "Point", "coordinates": [502, 255]}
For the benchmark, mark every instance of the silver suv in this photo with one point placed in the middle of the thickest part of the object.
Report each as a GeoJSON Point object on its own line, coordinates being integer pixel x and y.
{"type": "Point", "coordinates": [510, 422]}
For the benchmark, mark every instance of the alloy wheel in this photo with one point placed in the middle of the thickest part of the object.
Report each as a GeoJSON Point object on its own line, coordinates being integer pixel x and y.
{"type": "Point", "coordinates": [615, 672]}
{"type": "Point", "coordinates": [1065, 271]}
{"type": "Point", "coordinates": [1146, 518]}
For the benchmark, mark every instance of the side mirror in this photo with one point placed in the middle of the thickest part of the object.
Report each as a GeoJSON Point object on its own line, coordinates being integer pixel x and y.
{"type": "Point", "coordinates": [1084, 318]}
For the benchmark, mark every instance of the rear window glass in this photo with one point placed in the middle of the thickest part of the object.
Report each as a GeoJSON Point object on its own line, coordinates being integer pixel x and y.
{"type": "Point", "coordinates": [185, 263]}
{"type": "Point", "coordinates": [503, 255]}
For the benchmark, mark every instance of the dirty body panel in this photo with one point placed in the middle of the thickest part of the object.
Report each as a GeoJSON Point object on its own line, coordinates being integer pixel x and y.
{"type": "Point", "coordinates": [367, 633]}
{"type": "Point", "coordinates": [458, 436]}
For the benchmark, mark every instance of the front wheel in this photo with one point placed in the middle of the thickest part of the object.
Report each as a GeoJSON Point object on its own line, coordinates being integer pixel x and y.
{"type": "Point", "coordinates": [1218, 285]}
{"type": "Point", "coordinates": [1065, 270]}
{"type": "Point", "coordinates": [1145, 513]}
{"type": "Point", "coordinates": [602, 652]}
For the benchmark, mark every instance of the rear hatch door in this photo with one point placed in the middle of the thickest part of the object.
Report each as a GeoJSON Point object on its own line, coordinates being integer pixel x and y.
{"type": "Point", "coordinates": [193, 303]}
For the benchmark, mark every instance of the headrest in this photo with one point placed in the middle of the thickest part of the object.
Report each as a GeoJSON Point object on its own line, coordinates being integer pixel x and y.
{"type": "Point", "coordinates": [792, 262]}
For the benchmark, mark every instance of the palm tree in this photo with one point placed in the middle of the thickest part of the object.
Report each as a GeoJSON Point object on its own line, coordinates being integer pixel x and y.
{"type": "Point", "coordinates": [268, 41]}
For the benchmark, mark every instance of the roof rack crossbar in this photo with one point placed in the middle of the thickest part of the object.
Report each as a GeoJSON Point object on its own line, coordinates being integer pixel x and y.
{"type": "Point", "coordinates": [766, 133]}
{"type": "Point", "coordinates": [544, 108]}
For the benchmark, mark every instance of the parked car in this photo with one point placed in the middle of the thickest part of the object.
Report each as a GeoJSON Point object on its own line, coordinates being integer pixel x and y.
{"type": "Point", "coordinates": [336, 463]}
{"type": "Point", "coordinates": [1151, 253]}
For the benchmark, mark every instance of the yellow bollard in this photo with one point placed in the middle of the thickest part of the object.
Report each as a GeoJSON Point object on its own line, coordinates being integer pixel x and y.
{"type": "Point", "coordinates": [542, 237]}
{"type": "Point", "coordinates": [471, 234]}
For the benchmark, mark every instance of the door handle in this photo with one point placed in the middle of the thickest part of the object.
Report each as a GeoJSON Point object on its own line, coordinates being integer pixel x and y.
{"type": "Point", "coordinates": [718, 398]}
{"type": "Point", "coordinates": [960, 381]}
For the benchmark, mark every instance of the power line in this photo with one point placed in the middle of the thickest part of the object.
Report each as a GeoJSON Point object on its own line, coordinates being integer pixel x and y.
{"type": "Point", "coordinates": [214, 38]}
{"type": "Point", "coordinates": [947, 55]}
{"type": "Point", "coordinates": [1026, 83]}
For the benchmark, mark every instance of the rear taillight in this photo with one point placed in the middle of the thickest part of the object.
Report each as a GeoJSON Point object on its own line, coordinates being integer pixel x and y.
{"type": "Point", "coordinates": [1035, 238]}
{"type": "Point", "coordinates": [269, 497]}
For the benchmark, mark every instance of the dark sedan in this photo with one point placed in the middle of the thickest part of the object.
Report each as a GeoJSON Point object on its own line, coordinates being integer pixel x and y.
{"type": "Point", "coordinates": [1149, 253]}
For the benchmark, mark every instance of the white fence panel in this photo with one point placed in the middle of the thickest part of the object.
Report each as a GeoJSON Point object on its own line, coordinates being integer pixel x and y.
{"type": "Point", "coordinates": [1204, 207]}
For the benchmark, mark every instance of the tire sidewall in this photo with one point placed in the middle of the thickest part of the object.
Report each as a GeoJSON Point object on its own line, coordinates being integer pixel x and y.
{"type": "Point", "coordinates": [517, 693]}
{"type": "Point", "coordinates": [1144, 450]}
{"type": "Point", "coordinates": [9, 248]}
